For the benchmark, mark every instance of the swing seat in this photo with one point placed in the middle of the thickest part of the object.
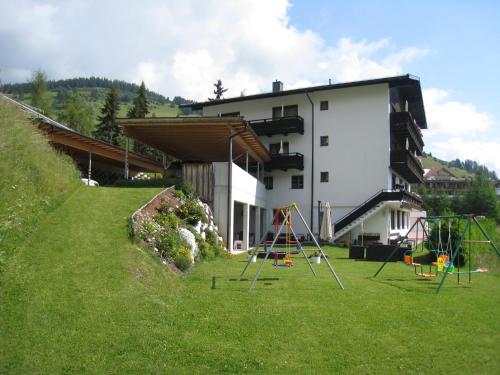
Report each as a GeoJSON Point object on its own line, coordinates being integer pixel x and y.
{"type": "Point", "coordinates": [288, 262]}
{"type": "Point", "coordinates": [426, 275]}
{"type": "Point", "coordinates": [416, 264]}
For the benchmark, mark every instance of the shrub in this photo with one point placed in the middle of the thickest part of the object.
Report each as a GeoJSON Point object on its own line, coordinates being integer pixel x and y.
{"type": "Point", "coordinates": [148, 230]}
{"type": "Point", "coordinates": [185, 188]}
{"type": "Point", "coordinates": [218, 250]}
{"type": "Point", "coordinates": [205, 251]}
{"type": "Point", "coordinates": [179, 194]}
{"type": "Point", "coordinates": [191, 212]}
{"type": "Point", "coordinates": [167, 220]}
{"type": "Point", "coordinates": [211, 237]}
{"type": "Point", "coordinates": [183, 259]}
{"type": "Point", "coordinates": [168, 243]}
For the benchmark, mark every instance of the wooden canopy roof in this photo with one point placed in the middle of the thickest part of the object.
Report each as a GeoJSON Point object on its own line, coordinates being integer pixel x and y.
{"type": "Point", "coordinates": [78, 145]}
{"type": "Point", "coordinates": [197, 138]}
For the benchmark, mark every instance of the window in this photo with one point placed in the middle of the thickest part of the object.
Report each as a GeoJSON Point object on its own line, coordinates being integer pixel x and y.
{"type": "Point", "coordinates": [268, 182]}
{"type": "Point", "coordinates": [393, 221]}
{"type": "Point", "coordinates": [323, 105]}
{"type": "Point", "coordinates": [298, 182]}
{"type": "Point", "coordinates": [230, 114]}
{"type": "Point", "coordinates": [399, 219]}
{"type": "Point", "coordinates": [323, 140]}
{"type": "Point", "coordinates": [274, 148]}
{"type": "Point", "coordinates": [286, 111]}
{"type": "Point", "coordinates": [323, 177]}
{"type": "Point", "coordinates": [403, 217]}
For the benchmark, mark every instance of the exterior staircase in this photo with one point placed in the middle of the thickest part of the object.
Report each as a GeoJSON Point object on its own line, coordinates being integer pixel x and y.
{"type": "Point", "coordinates": [373, 205]}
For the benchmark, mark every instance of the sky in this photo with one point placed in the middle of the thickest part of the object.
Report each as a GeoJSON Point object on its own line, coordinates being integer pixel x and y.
{"type": "Point", "coordinates": [182, 47]}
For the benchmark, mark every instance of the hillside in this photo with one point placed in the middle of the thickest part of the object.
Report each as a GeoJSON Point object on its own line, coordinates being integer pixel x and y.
{"type": "Point", "coordinates": [93, 91]}
{"type": "Point", "coordinates": [430, 162]}
{"type": "Point", "coordinates": [34, 178]}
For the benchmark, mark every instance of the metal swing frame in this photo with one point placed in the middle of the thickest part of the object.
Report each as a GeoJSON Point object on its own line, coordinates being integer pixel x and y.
{"type": "Point", "coordinates": [471, 220]}
{"type": "Point", "coordinates": [286, 217]}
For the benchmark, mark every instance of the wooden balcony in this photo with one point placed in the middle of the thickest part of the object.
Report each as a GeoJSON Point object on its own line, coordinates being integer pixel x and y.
{"type": "Point", "coordinates": [407, 165]}
{"type": "Point", "coordinates": [403, 127]}
{"type": "Point", "coordinates": [294, 160]}
{"type": "Point", "coordinates": [282, 125]}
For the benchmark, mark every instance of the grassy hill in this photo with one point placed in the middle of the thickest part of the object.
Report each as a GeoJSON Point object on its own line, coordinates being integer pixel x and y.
{"type": "Point", "coordinates": [430, 162]}
{"type": "Point", "coordinates": [34, 180]}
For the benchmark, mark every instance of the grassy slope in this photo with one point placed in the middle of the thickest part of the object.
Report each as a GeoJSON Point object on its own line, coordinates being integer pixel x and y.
{"type": "Point", "coordinates": [80, 297]}
{"type": "Point", "coordinates": [429, 162]}
{"type": "Point", "coordinates": [34, 178]}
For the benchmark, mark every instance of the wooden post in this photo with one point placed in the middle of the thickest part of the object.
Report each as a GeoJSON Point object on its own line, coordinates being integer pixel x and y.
{"type": "Point", "coordinates": [89, 172]}
{"type": "Point", "coordinates": [126, 159]}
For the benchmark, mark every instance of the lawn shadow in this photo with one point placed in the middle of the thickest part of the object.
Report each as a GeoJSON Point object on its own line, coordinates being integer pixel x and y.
{"type": "Point", "coordinates": [397, 283]}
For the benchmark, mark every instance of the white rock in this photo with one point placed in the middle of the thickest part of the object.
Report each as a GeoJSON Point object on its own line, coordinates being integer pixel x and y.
{"type": "Point", "coordinates": [198, 227]}
{"type": "Point", "coordinates": [220, 239]}
{"type": "Point", "coordinates": [216, 228]}
{"type": "Point", "coordinates": [190, 240]}
{"type": "Point", "coordinates": [203, 235]}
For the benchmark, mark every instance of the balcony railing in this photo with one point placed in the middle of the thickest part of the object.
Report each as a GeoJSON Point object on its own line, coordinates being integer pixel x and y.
{"type": "Point", "coordinates": [403, 127]}
{"type": "Point", "coordinates": [407, 165]}
{"type": "Point", "coordinates": [281, 125]}
{"type": "Point", "coordinates": [294, 160]}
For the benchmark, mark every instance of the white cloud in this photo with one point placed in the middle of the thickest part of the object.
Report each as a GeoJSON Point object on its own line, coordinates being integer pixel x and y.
{"type": "Point", "coordinates": [453, 118]}
{"type": "Point", "coordinates": [182, 48]}
{"type": "Point", "coordinates": [485, 152]}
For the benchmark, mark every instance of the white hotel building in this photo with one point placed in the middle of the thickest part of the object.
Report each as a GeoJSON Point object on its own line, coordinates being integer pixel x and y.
{"type": "Point", "coordinates": [354, 145]}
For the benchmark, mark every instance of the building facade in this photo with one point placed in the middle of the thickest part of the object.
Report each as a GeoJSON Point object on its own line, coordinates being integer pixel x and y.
{"type": "Point", "coordinates": [354, 145]}
{"type": "Point", "coordinates": [438, 179]}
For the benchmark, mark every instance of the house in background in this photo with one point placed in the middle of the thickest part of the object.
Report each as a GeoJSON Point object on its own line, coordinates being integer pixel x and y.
{"type": "Point", "coordinates": [354, 145]}
{"type": "Point", "coordinates": [439, 179]}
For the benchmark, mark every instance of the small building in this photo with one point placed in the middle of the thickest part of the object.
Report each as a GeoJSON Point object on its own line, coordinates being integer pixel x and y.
{"type": "Point", "coordinates": [440, 179]}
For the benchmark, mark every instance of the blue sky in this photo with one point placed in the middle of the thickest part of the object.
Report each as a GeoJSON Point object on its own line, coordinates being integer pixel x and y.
{"type": "Point", "coordinates": [182, 47]}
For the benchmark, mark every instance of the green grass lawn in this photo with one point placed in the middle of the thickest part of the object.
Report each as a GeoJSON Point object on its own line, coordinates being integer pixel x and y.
{"type": "Point", "coordinates": [80, 297]}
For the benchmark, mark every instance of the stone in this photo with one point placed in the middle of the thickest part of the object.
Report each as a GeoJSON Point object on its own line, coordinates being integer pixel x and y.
{"type": "Point", "coordinates": [203, 236]}
{"type": "Point", "coordinates": [197, 227]}
{"type": "Point", "coordinates": [190, 240]}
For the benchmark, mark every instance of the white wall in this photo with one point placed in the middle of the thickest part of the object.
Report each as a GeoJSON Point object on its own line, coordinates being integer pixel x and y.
{"type": "Point", "coordinates": [245, 189]}
{"type": "Point", "coordinates": [378, 223]}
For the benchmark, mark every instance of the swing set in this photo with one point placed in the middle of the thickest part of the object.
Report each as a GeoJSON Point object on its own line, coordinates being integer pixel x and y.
{"type": "Point", "coordinates": [282, 220]}
{"type": "Point", "coordinates": [448, 257]}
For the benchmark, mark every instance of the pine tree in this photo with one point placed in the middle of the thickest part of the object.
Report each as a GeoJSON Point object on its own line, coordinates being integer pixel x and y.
{"type": "Point", "coordinates": [107, 128]}
{"type": "Point", "coordinates": [219, 90]}
{"type": "Point", "coordinates": [40, 98]}
{"type": "Point", "coordinates": [140, 105]}
{"type": "Point", "coordinates": [139, 109]}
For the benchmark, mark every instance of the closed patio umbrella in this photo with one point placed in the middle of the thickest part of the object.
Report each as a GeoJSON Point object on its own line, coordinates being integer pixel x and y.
{"type": "Point", "coordinates": [325, 232]}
